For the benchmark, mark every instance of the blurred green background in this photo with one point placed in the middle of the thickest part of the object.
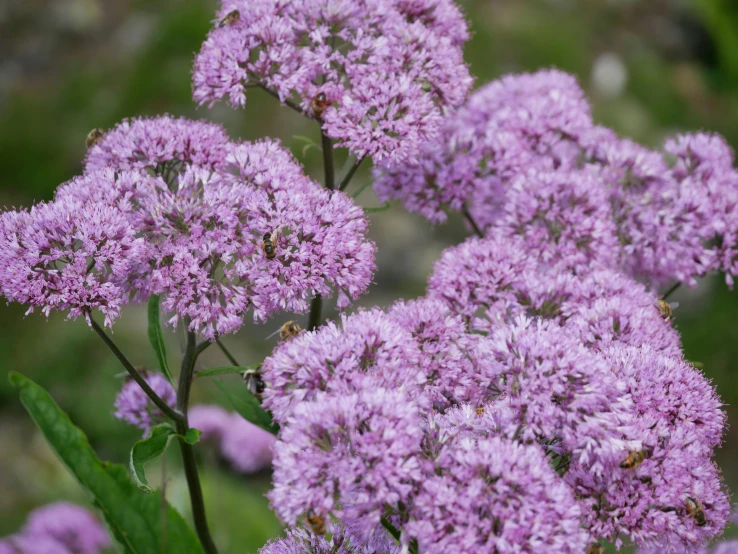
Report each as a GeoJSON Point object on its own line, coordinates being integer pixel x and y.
{"type": "Point", "coordinates": [650, 67]}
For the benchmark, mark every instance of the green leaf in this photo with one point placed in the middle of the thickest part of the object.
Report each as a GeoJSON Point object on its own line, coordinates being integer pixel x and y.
{"type": "Point", "coordinates": [225, 370]}
{"type": "Point", "coordinates": [153, 446]}
{"type": "Point", "coordinates": [140, 522]}
{"type": "Point", "coordinates": [382, 208]}
{"type": "Point", "coordinates": [248, 407]}
{"type": "Point", "coordinates": [156, 338]}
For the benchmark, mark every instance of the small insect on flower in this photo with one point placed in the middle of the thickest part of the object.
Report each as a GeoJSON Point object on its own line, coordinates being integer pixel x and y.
{"type": "Point", "coordinates": [634, 459]}
{"type": "Point", "coordinates": [316, 522]}
{"type": "Point", "coordinates": [288, 330]}
{"type": "Point", "coordinates": [230, 18]}
{"type": "Point", "coordinates": [254, 383]}
{"type": "Point", "coordinates": [480, 411]}
{"type": "Point", "coordinates": [269, 245]}
{"type": "Point", "coordinates": [93, 137]}
{"type": "Point", "coordinates": [595, 548]}
{"type": "Point", "coordinates": [667, 309]}
{"type": "Point", "coordinates": [695, 509]}
{"type": "Point", "coordinates": [319, 104]}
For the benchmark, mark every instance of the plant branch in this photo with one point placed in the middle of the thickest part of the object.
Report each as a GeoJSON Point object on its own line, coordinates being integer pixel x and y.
{"type": "Point", "coordinates": [315, 308]}
{"type": "Point", "coordinates": [471, 221]}
{"type": "Point", "coordinates": [188, 453]}
{"type": "Point", "coordinates": [350, 174]}
{"type": "Point", "coordinates": [286, 102]}
{"type": "Point", "coordinates": [227, 353]}
{"type": "Point", "coordinates": [133, 372]}
{"type": "Point", "coordinates": [330, 180]}
{"type": "Point", "coordinates": [671, 291]}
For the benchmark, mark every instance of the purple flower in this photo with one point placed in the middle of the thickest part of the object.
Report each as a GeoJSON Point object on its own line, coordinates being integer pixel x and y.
{"type": "Point", "coordinates": [73, 526]}
{"type": "Point", "coordinates": [492, 277]}
{"type": "Point", "coordinates": [389, 68]}
{"type": "Point", "coordinates": [368, 347]}
{"type": "Point", "coordinates": [59, 528]}
{"type": "Point", "coordinates": [449, 355]}
{"type": "Point", "coordinates": [506, 127]}
{"type": "Point", "coordinates": [205, 233]}
{"type": "Point", "coordinates": [495, 495]}
{"type": "Point", "coordinates": [23, 544]}
{"type": "Point", "coordinates": [347, 454]}
{"type": "Point", "coordinates": [246, 447]}
{"type": "Point", "coordinates": [161, 145]}
{"type": "Point", "coordinates": [560, 215]}
{"type": "Point", "coordinates": [134, 407]}
{"type": "Point", "coordinates": [72, 254]}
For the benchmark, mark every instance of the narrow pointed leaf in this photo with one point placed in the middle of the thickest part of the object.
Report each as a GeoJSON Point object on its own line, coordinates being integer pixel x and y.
{"type": "Point", "coordinates": [248, 407]}
{"type": "Point", "coordinates": [225, 370]}
{"type": "Point", "coordinates": [135, 519]}
{"type": "Point", "coordinates": [156, 338]}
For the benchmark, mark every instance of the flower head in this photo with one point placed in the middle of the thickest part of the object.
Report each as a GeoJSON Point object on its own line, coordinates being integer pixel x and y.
{"type": "Point", "coordinates": [134, 407]}
{"type": "Point", "coordinates": [368, 349]}
{"type": "Point", "coordinates": [72, 254]}
{"type": "Point", "coordinates": [161, 145]}
{"type": "Point", "coordinates": [389, 68]}
{"type": "Point", "coordinates": [348, 454]}
{"type": "Point", "coordinates": [510, 125]}
{"type": "Point", "coordinates": [495, 495]}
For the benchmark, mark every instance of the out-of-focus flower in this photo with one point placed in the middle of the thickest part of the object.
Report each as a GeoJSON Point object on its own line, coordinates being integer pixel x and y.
{"type": "Point", "coordinates": [133, 406]}
{"type": "Point", "coordinates": [59, 528]}
{"type": "Point", "coordinates": [75, 527]}
{"type": "Point", "coordinates": [389, 69]}
{"type": "Point", "coordinates": [246, 447]}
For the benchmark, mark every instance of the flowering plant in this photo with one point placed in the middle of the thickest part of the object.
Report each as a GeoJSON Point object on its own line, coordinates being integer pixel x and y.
{"type": "Point", "coordinates": [536, 399]}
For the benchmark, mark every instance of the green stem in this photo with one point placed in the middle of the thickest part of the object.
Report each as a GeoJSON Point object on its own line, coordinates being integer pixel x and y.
{"type": "Point", "coordinates": [315, 308]}
{"type": "Point", "coordinates": [471, 221]}
{"type": "Point", "coordinates": [350, 174]}
{"type": "Point", "coordinates": [227, 353]}
{"type": "Point", "coordinates": [286, 102]}
{"type": "Point", "coordinates": [188, 453]}
{"type": "Point", "coordinates": [330, 180]}
{"type": "Point", "coordinates": [133, 372]}
{"type": "Point", "coordinates": [671, 291]}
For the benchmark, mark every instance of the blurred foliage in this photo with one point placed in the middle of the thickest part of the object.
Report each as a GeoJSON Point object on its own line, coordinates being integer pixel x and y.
{"type": "Point", "coordinates": [650, 67]}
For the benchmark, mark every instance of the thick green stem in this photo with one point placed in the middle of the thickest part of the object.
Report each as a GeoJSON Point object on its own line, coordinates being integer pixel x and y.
{"type": "Point", "coordinates": [133, 372]}
{"type": "Point", "coordinates": [188, 453]}
{"type": "Point", "coordinates": [315, 309]}
{"type": "Point", "coordinates": [330, 180]}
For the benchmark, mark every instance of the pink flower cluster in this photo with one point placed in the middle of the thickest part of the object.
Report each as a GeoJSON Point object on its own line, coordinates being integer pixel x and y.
{"type": "Point", "coordinates": [572, 419]}
{"type": "Point", "coordinates": [525, 157]}
{"type": "Point", "coordinates": [59, 528]}
{"type": "Point", "coordinates": [172, 207]}
{"type": "Point", "coordinates": [389, 69]}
